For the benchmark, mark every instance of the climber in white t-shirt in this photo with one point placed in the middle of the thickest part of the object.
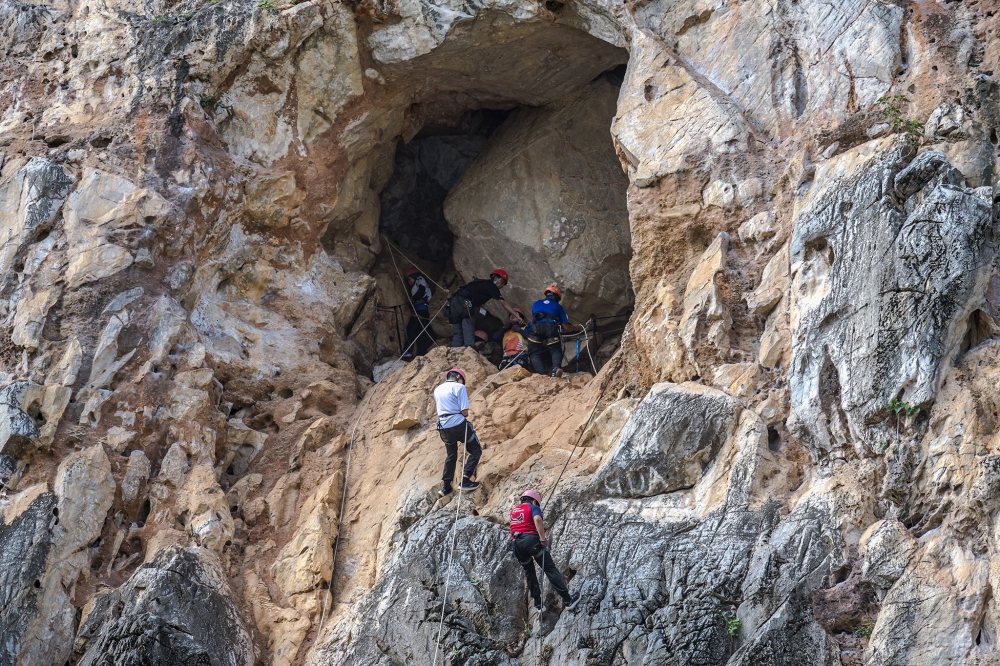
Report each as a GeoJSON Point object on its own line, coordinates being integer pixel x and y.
{"type": "Point", "coordinates": [452, 402]}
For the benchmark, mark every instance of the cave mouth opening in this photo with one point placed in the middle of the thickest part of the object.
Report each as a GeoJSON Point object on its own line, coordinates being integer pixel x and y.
{"type": "Point", "coordinates": [536, 190]}
{"type": "Point", "coordinates": [424, 171]}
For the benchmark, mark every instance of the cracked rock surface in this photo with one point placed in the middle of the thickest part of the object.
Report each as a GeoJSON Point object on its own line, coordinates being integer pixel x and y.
{"type": "Point", "coordinates": [776, 446]}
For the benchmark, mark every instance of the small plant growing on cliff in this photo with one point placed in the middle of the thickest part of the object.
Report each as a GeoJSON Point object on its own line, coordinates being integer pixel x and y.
{"type": "Point", "coordinates": [185, 15]}
{"type": "Point", "coordinates": [903, 409]}
{"type": "Point", "coordinates": [482, 590]}
{"type": "Point", "coordinates": [266, 5]}
{"type": "Point", "coordinates": [732, 624]}
{"type": "Point", "coordinates": [865, 630]}
{"type": "Point", "coordinates": [891, 108]}
{"type": "Point", "coordinates": [527, 630]}
{"type": "Point", "coordinates": [159, 19]}
{"type": "Point", "coordinates": [880, 447]}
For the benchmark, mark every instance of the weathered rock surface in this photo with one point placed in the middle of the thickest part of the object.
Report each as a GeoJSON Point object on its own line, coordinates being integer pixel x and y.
{"type": "Point", "coordinates": [668, 441]}
{"type": "Point", "coordinates": [637, 578]}
{"type": "Point", "coordinates": [26, 540]}
{"type": "Point", "coordinates": [209, 453]}
{"type": "Point", "coordinates": [175, 609]}
{"type": "Point", "coordinates": [889, 262]}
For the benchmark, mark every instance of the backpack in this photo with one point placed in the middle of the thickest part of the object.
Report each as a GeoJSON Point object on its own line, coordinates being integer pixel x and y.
{"type": "Point", "coordinates": [544, 329]}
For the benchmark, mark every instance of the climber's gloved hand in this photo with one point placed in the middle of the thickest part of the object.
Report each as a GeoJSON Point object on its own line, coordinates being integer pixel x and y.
{"type": "Point", "coordinates": [545, 544]}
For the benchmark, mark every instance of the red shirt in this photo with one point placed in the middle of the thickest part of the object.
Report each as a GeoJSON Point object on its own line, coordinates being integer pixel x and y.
{"type": "Point", "coordinates": [522, 519]}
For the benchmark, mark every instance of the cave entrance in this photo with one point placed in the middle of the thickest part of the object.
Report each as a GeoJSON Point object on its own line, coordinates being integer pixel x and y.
{"type": "Point", "coordinates": [424, 171]}
{"type": "Point", "coordinates": [536, 190]}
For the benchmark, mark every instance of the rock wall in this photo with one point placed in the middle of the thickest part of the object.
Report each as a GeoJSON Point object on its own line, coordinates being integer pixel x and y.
{"type": "Point", "coordinates": [792, 459]}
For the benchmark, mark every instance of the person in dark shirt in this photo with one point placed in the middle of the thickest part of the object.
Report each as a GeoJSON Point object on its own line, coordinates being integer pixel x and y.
{"type": "Point", "coordinates": [468, 298]}
{"type": "Point", "coordinates": [419, 334]}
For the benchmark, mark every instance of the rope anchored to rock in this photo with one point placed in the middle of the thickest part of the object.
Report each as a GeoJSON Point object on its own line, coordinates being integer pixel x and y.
{"type": "Point", "coordinates": [347, 473]}
{"type": "Point", "coordinates": [458, 504]}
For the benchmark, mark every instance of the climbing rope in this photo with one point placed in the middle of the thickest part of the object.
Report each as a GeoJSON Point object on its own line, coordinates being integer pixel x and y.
{"type": "Point", "coordinates": [392, 247]}
{"type": "Point", "coordinates": [586, 342]}
{"type": "Point", "coordinates": [347, 473]}
{"type": "Point", "coordinates": [454, 525]}
{"type": "Point", "coordinates": [454, 540]}
{"type": "Point", "coordinates": [600, 396]}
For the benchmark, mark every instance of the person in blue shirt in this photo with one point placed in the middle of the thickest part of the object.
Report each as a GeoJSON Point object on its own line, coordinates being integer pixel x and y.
{"type": "Point", "coordinates": [548, 322]}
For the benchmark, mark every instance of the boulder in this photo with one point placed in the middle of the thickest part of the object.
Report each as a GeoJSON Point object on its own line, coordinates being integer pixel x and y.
{"type": "Point", "coordinates": [546, 201]}
{"type": "Point", "coordinates": [176, 609]}
{"type": "Point", "coordinates": [670, 438]}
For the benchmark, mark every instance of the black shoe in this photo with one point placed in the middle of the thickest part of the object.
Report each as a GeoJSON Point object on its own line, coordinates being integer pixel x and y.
{"type": "Point", "coordinates": [538, 605]}
{"type": "Point", "coordinates": [469, 485]}
{"type": "Point", "coordinates": [445, 490]}
{"type": "Point", "coordinates": [574, 599]}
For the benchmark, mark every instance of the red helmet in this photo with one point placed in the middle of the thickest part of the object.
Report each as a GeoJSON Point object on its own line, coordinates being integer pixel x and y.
{"type": "Point", "coordinates": [482, 335]}
{"type": "Point", "coordinates": [459, 372]}
{"type": "Point", "coordinates": [554, 290]}
{"type": "Point", "coordinates": [413, 272]}
{"type": "Point", "coordinates": [533, 494]}
{"type": "Point", "coordinates": [501, 272]}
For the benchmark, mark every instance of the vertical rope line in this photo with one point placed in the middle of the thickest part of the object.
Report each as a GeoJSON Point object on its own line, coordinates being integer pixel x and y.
{"type": "Point", "coordinates": [454, 540]}
{"type": "Point", "coordinates": [347, 474]}
{"type": "Point", "coordinates": [586, 425]}
{"type": "Point", "coordinates": [408, 260]}
{"type": "Point", "coordinates": [454, 527]}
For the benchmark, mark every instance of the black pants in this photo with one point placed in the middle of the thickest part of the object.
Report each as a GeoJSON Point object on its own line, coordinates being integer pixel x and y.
{"type": "Point", "coordinates": [541, 353]}
{"type": "Point", "coordinates": [424, 339]}
{"type": "Point", "coordinates": [528, 546]}
{"type": "Point", "coordinates": [451, 437]}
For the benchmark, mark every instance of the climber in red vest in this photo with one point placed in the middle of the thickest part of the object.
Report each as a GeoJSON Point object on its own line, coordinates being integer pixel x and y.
{"type": "Point", "coordinates": [527, 541]}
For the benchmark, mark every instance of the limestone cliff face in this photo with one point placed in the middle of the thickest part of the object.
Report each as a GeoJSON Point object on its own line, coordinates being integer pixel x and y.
{"type": "Point", "coordinates": [793, 457]}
